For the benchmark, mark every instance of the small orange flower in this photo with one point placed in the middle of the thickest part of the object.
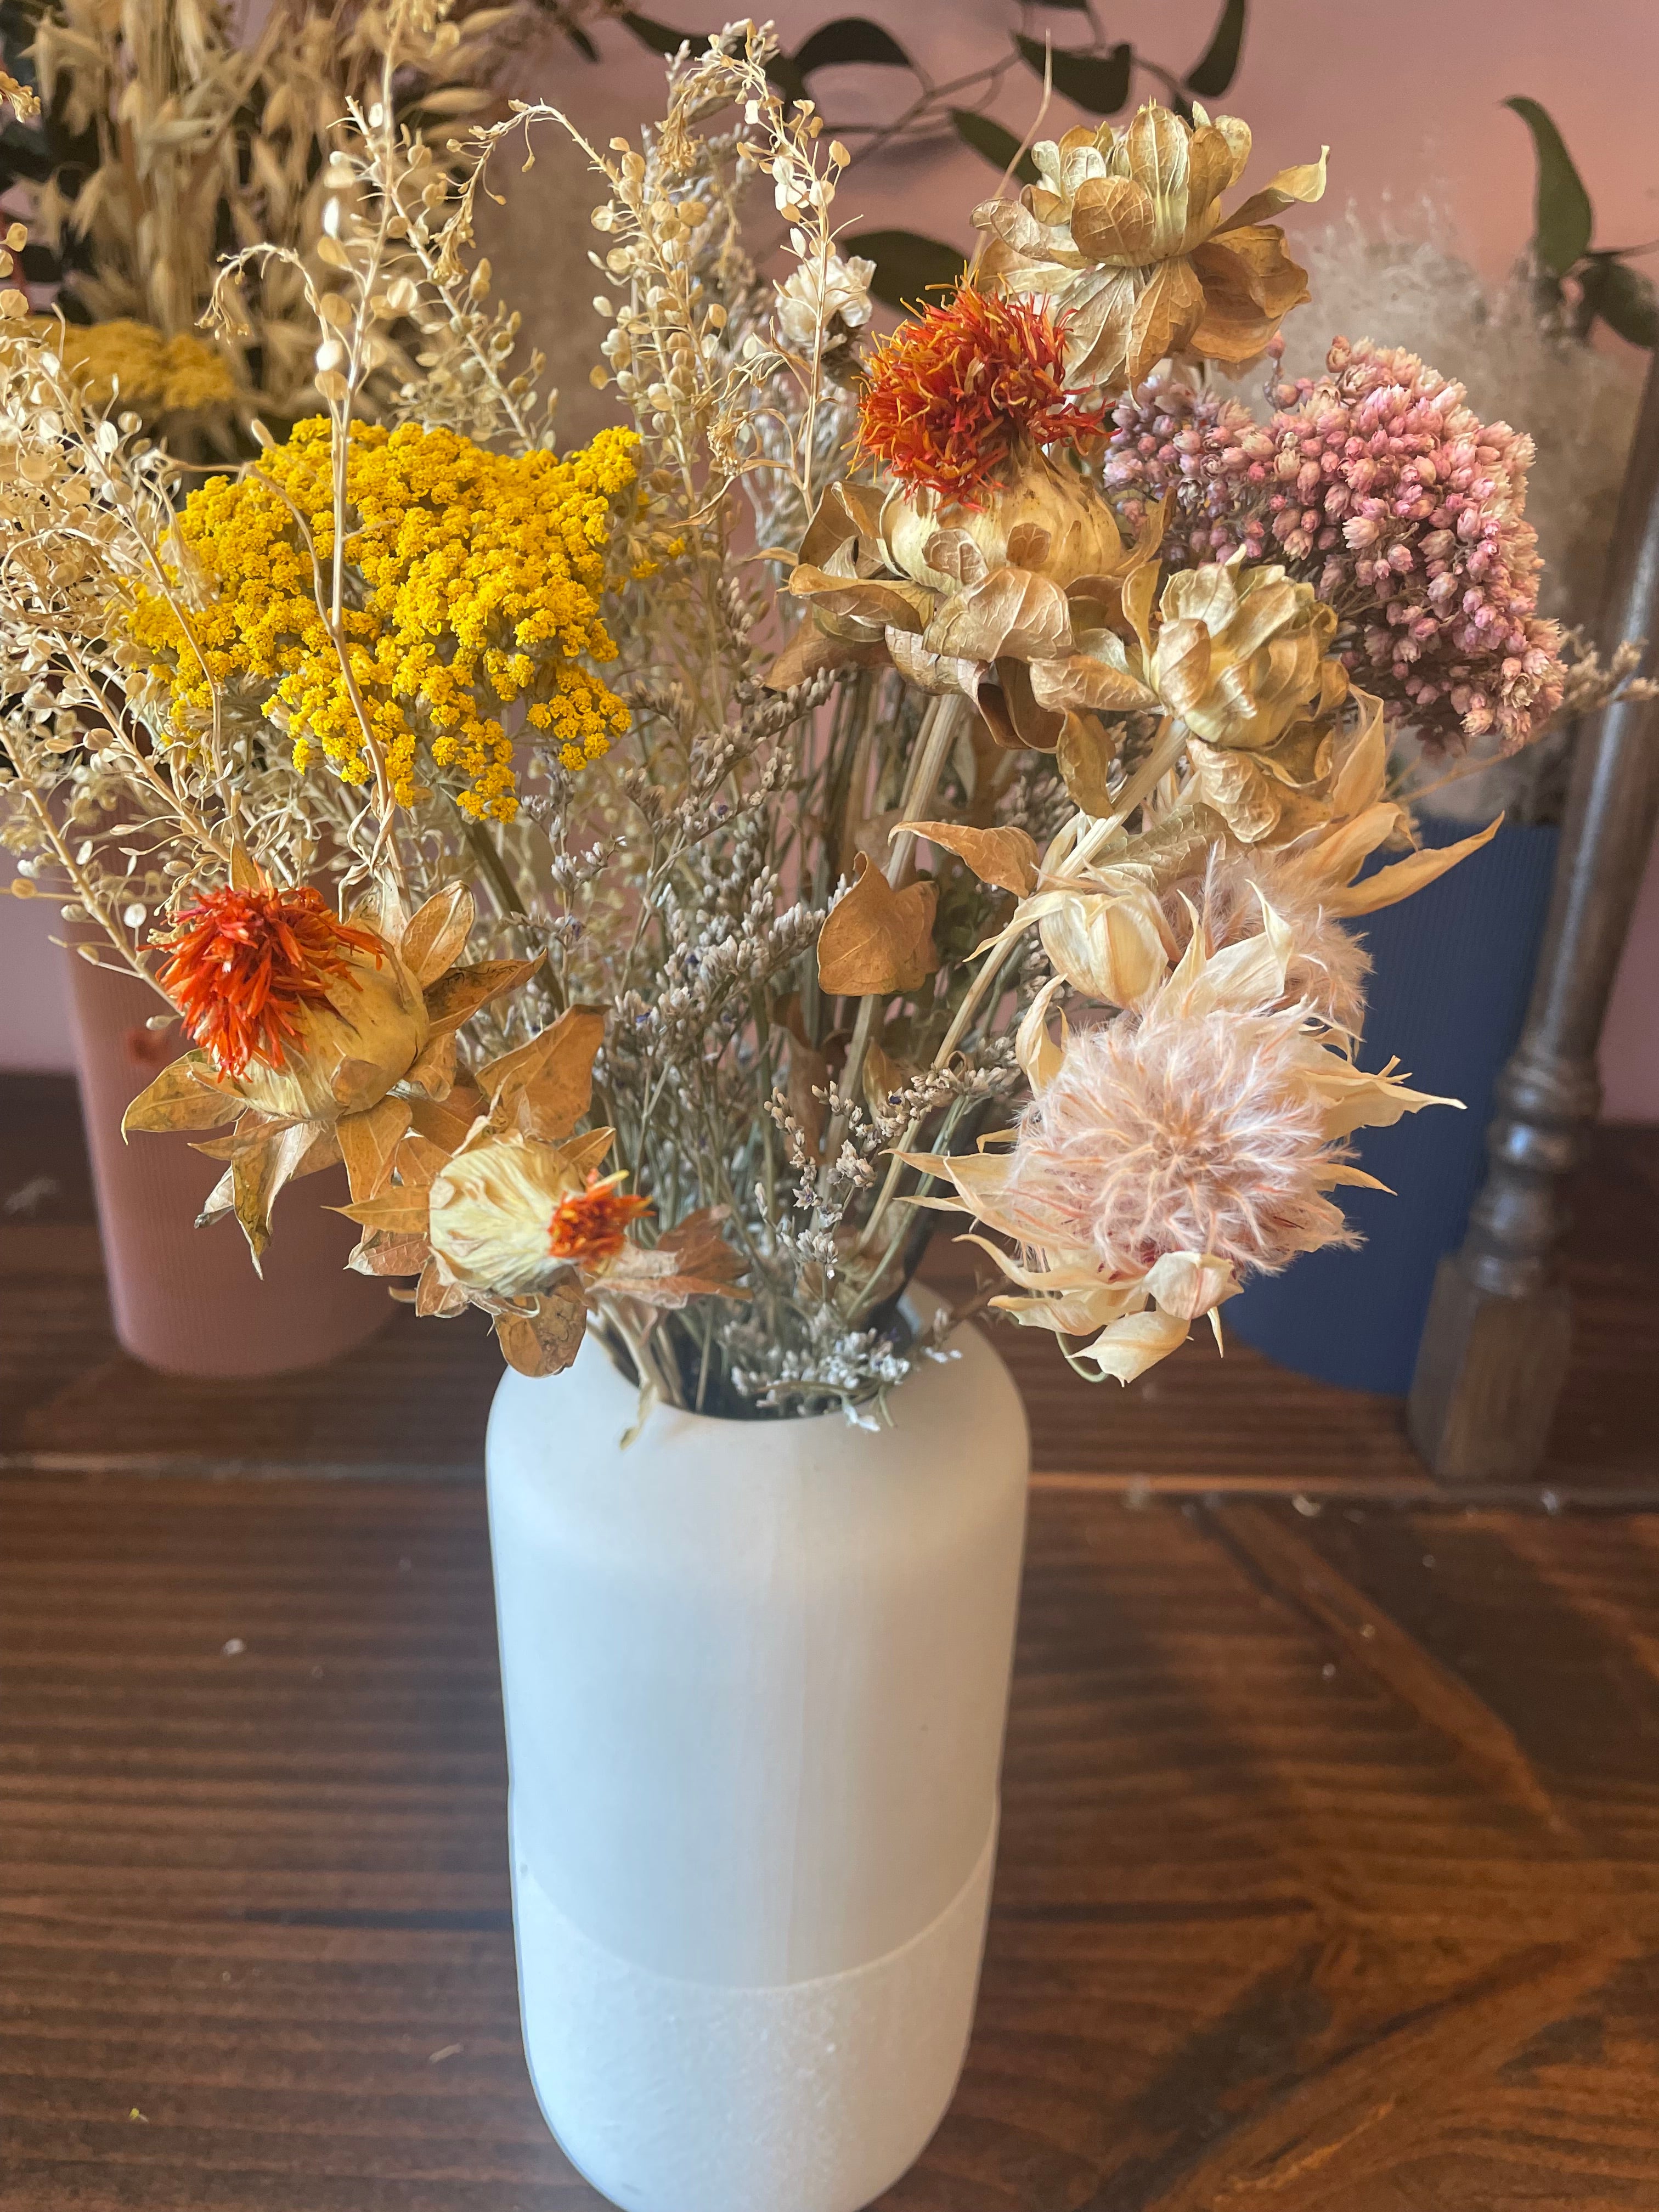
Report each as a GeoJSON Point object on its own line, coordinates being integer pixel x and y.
{"type": "Point", "coordinates": [592, 1226]}
{"type": "Point", "coordinates": [948, 395]}
{"type": "Point", "coordinates": [245, 961]}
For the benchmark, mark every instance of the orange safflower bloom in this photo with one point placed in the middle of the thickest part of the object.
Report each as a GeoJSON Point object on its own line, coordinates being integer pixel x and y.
{"type": "Point", "coordinates": [948, 395]}
{"type": "Point", "coordinates": [592, 1226]}
{"type": "Point", "coordinates": [244, 962]}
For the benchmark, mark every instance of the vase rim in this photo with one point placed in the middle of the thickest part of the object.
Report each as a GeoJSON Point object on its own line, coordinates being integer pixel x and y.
{"type": "Point", "coordinates": [919, 1303]}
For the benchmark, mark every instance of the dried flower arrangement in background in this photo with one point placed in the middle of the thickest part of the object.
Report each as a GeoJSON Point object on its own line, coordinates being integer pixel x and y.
{"type": "Point", "coordinates": [158, 142]}
{"type": "Point", "coordinates": [874, 781]}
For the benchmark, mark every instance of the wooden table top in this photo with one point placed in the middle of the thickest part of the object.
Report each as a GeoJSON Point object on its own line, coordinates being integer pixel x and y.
{"type": "Point", "coordinates": [1329, 1872]}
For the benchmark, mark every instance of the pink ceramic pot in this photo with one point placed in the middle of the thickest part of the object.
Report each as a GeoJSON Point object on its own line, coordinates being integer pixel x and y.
{"type": "Point", "coordinates": [186, 1300]}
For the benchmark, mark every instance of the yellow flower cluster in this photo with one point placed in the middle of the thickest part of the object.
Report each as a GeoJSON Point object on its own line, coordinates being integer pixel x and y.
{"type": "Point", "coordinates": [473, 577]}
{"type": "Point", "coordinates": [156, 375]}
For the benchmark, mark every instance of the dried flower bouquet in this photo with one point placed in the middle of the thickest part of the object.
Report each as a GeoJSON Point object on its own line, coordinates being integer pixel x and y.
{"type": "Point", "coordinates": [874, 780]}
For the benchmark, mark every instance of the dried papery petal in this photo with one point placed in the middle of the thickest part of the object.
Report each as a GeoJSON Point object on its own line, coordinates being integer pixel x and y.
{"type": "Point", "coordinates": [1124, 237]}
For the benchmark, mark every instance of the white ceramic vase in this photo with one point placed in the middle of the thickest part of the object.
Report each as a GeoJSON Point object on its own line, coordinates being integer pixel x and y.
{"type": "Point", "coordinates": [755, 1677]}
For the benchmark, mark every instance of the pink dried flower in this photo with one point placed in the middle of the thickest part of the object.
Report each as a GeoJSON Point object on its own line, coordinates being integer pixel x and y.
{"type": "Point", "coordinates": [1164, 1132]}
{"type": "Point", "coordinates": [1379, 485]}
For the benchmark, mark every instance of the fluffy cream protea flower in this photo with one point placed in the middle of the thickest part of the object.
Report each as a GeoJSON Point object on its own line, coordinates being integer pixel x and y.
{"type": "Point", "coordinates": [1171, 1152]}
{"type": "Point", "coordinates": [1124, 236]}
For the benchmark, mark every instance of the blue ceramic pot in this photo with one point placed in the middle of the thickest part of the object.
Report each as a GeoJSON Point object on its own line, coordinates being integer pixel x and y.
{"type": "Point", "coordinates": [1452, 973]}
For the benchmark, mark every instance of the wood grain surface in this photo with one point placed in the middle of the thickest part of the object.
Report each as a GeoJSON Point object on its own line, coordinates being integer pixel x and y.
{"type": "Point", "coordinates": [1329, 1876]}
{"type": "Point", "coordinates": [1329, 1872]}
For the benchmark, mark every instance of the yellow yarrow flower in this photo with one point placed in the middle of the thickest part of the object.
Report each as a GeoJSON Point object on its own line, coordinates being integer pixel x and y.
{"type": "Point", "coordinates": [151, 373]}
{"type": "Point", "coordinates": [475, 581]}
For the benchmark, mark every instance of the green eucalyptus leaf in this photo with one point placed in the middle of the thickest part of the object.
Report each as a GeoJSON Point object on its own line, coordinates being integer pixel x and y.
{"type": "Point", "coordinates": [1212, 74]}
{"type": "Point", "coordinates": [1625, 299]}
{"type": "Point", "coordinates": [907, 265]}
{"type": "Point", "coordinates": [1563, 218]}
{"type": "Point", "coordinates": [662, 38]}
{"type": "Point", "coordinates": [849, 39]}
{"type": "Point", "coordinates": [999, 146]}
{"type": "Point", "coordinates": [1099, 83]}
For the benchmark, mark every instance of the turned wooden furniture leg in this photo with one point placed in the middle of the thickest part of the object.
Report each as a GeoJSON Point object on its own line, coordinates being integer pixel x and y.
{"type": "Point", "coordinates": [1494, 1349]}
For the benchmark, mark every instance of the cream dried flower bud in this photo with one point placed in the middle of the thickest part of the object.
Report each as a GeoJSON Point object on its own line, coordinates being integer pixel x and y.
{"type": "Point", "coordinates": [1124, 233]}
{"type": "Point", "coordinates": [811, 296]}
{"type": "Point", "coordinates": [509, 1212]}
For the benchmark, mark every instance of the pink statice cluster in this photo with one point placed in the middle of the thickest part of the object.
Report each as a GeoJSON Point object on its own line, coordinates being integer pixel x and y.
{"type": "Point", "coordinates": [1380, 486]}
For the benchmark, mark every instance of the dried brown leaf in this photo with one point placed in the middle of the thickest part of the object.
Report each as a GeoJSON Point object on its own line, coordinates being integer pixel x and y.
{"type": "Point", "coordinates": [883, 1076]}
{"type": "Point", "coordinates": [1005, 857]}
{"type": "Point", "coordinates": [809, 1073]}
{"type": "Point", "coordinates": [435, 1297]}
{"type": "Point", "coordinates": [447, 1120]}
{"type": "Point", "coordinates": [381, 1253]}
{"type": "Point", "coordinates": [544, 1339]}
{"type": "Point", "coordinates": [185, 1096]}
{"type": "Point", "coordinates": [456, 997]}
{"type": "Point", "coordinates": [1085, 756]}
{"type": "Point", "coordinates": [690, 1261]}
{"type": "Point", "coordinates": [878, 940]}
{"type": "Point", "coordinates": [419, 1162]}
{"type": "Point", "coordinates": [546, 1087]}
{"type": "Point", "coordinates": [395, 1213]}
{"type": "Point", "coordinates": [433, 1072]}
{"type": "Point", "coordinates": [368, 1144]}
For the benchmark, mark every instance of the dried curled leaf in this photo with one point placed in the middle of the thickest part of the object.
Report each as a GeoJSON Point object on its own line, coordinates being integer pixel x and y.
{"type": "Point", "coordinates": [368, 1144]}
{"type": "Point", "coordinates": [185, 1096]}
{"type": "Point", "coordinates": [456, 997]}
{"type": "Point", "coordinates": [692, 1260]}
{"type": "Point", "coordinates": [438, 932]}
{"type": "Point", "coordinates": [543, 1089]}
{"type": "Point", "coordinates": [399, 1212]}
{"type": "Point", "coordinates": [542, 1336]}
{"type": "Point", "coordinates": [878, 940]}
{"type": "Point", "coordinates": [1005, 857]}
{"type": "Point", "coordinates": [1084, 756]}
{"type": "Point", "coordinates": [382, 1252]}
{"type": "Point", "coordinates": [808, 1080]}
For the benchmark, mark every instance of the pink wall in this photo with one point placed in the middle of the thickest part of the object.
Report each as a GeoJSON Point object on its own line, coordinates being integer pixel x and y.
{"type": "Point", "coordinates": [1408, 98]}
